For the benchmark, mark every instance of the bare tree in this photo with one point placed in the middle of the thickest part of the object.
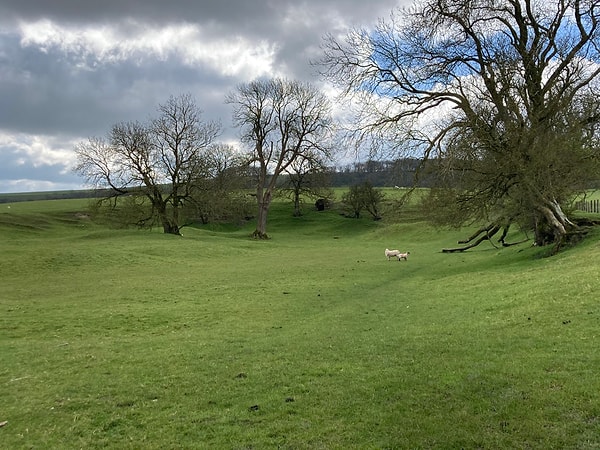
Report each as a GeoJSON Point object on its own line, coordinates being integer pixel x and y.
{"type": "Point", "coordinates": [282, 121]}
{"type": "Point", "coordinates": [219, 195]}
{"type": "Point", "coordinates": [363, 196]}
{"type": "Point", "coordinates": [501, 97]}
{"type": "Point", "coordinates": [161, 162]}
{"type": "Point", "coordinates": [306, 177]}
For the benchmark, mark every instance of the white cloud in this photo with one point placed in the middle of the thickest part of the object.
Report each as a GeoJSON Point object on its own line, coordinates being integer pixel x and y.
{"type": "Point", "coordinates": [37, 150]}
{"type": "Point", "coordinates": [37, 163]}
{"type": "Point", "coordinates": [100, 44]}
{"type": "Point", "coordinates": [28, 185]}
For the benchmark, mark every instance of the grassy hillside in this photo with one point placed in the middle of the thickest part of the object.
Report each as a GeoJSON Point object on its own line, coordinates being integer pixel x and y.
{"type": "Point", "coordinates": [136, 339]}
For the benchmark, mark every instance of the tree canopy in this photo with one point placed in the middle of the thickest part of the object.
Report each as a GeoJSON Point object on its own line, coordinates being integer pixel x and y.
{"type": "Point", "coordinates": [499, 97]}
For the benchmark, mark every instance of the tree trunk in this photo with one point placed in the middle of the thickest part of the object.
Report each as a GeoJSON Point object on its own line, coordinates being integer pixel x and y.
{"type": "Point", "coordinates": [264, 202]}
{"type": "Point", "coordinates": [297, 211]}
{"type": "Point", "coordinates": [169, 225]}
{"type": "Point", "coordinates": [553, 226]}
{"type": "Point", "coordinates": [171, 228]}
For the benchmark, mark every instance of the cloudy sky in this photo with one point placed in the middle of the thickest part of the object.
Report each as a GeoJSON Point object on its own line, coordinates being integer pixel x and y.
{"type": "Point", "coordinates": [70, 69]}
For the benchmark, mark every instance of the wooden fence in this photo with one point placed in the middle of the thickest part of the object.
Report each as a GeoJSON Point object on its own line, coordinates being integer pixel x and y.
{"type": "Point", "coordinates": [592, 206]}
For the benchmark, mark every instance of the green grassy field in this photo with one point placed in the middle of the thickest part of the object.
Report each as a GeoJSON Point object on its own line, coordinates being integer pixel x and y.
{"type": "Point", "coordinates": [311, 340]}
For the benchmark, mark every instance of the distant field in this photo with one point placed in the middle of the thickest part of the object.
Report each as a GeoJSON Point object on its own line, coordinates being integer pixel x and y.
{"type": "Point", "coordinates": [311, 340]}
{"type": "Point", "coordinates": [45, 195]}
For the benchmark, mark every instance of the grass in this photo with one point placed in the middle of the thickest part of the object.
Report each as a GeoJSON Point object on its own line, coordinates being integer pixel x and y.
{"type": "Point", "coordinates": [135, 339]}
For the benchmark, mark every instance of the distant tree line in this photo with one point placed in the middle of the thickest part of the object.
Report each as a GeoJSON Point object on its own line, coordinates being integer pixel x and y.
{"type": "Point", "coordinates": [303, 179]}
{"type": "Point", "coordinates": [49, 195]}
{"type": "Point", "coordinates": [403, 172]}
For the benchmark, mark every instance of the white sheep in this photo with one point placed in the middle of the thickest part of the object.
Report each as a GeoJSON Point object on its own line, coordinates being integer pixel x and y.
{"type": "Point", "coordinates": [391, 253]}
{"type": "Point", "coordinates": [403, 256]}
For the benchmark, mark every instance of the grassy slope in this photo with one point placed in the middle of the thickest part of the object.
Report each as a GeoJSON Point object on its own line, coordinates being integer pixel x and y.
{"type": "Point", "coordinates": [113, 338]}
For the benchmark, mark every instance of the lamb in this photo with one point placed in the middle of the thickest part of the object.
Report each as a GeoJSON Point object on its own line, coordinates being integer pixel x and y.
{"type": "Point", "coordinates": [403, 256]}
{"type": "Point", "coordinates": [391, 253]}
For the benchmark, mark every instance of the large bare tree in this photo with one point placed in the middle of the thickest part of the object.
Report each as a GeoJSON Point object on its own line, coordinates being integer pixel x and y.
{"type": "Point", "coordinates": [500, 97]}
{"type": "Point", "coordinates": [162, 161]}
{"type": "Point", "coordinates": [281, 120]}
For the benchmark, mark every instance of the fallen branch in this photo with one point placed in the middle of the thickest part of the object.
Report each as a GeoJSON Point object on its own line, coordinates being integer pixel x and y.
{"type": "Point", "coordinates": [490, 230]}
{"type": "Point", "coordinates": [487, 232]}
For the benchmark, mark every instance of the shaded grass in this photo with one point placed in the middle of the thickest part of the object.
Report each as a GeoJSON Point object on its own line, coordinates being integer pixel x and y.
{"type": "Point", "coordinates": [129, 339]}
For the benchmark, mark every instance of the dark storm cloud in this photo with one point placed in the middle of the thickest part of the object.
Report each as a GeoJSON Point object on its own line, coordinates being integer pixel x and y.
{"type": "Point", "coordinates": [45, 94]}
{"type": "Point", "coordinates": [245, 15]}
{"type": "Point", "coordinates": [82, 12]}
